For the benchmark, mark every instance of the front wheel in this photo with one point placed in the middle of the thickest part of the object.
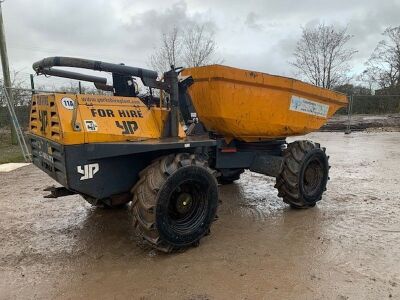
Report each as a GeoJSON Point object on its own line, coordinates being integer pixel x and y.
{"type": "Point", "coordinates": [175, 201]}
{"type": "Point", "coordinates": [305, 174]}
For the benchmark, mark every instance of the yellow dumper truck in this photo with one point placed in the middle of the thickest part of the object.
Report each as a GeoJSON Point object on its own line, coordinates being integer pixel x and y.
{"type": "Point", "coordinates": [166, 150]}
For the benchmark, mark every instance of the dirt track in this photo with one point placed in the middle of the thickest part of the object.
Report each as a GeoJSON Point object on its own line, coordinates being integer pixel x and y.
{"type": "Point", "coordinates": [348, 247]}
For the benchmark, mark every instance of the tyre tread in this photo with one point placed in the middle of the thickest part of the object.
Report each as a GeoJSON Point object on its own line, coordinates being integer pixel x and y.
{"type": "Point", "coordinates": [145, 193]}
{"type": "Point", "coordinates": [287, 182]}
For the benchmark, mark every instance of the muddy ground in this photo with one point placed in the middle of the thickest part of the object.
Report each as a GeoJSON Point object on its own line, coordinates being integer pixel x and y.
{"type": "Point", "coordinates": [348, 247]}
{"type": "Point", "coordinates": [390, 122]}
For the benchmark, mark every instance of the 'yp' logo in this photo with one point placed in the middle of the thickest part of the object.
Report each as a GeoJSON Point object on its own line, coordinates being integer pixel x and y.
{"type": "Point", "coordinates": [88, 171]}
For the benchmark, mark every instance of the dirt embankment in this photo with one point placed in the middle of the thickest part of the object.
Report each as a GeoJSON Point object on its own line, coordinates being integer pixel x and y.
{"type": "Point", "coordinates": [389, 122]}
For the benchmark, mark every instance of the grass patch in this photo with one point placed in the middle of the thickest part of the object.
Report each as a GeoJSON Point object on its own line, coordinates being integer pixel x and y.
{"type": "Point", "coordinates": [9, 153]}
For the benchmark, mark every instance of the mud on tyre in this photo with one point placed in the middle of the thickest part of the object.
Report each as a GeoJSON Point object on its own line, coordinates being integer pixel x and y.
{"type": "Point", "coordinates": [305, 174]}
{"type": "Point", "coordinates": [175, 201]}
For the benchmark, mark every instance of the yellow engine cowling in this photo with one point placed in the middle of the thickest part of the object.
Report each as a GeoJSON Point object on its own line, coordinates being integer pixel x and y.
{"type": "Point", "coordinates": [98, 118]}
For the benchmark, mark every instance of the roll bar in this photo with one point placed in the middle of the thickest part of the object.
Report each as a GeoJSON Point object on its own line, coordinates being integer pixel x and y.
{"type": "Point", "coordinates": [45, 66]}
{"type": "Point", "coordinates": [74, 75]}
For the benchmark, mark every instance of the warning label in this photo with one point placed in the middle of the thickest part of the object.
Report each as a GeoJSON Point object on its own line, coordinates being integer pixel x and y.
{"type": "Point", "coordinates": [308, 107]}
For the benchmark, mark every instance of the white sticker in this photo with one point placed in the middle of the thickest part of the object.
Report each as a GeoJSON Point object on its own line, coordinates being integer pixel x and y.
{"type": "Point", "coordinates": [193, 115]}
{"type": "Point", "coordinates": [91, 125]}
{"type": "Point", "coordinates": [186, 145]}
{"type": "Point", "coordinates": [308, 107]}
{"type": "Point", "coordinates": [88, 171]}
{"type": "Point", "coordinates": [68, 103]}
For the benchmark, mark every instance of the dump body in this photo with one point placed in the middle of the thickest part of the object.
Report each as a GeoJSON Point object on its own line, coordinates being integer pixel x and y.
{"type": "Point", "coordinates": [253, 106]}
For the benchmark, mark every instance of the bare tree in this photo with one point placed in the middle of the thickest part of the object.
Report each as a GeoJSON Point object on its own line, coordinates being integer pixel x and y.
{"type": "Point", "coordinates": [321, 55]}
{"type": "Point", "coordinates": [73, 88]}
{"type": "Point", "coordinates": [169, 53]}
{"type": "Point", "coordinates": [190, 47]}
{"type": "Point", "coordinates": [20, 95]}
{"type": "Point", "coordinates": [384, 63]}
{"type": "Point", "coordinates": [199, 46]}
{"type": "Point", "coordinates": [368, 76]}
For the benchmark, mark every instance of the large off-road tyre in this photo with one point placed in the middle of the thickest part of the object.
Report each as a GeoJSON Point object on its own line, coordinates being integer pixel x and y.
{"type": "Point", "coordinates": [175, 201]}
{"type": "Point", "coordinates": [305, 174]}
{"type": "Point", "coordinates": [229, 176]}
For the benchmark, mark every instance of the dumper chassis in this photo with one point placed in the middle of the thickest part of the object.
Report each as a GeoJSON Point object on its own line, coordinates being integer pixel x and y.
{"type": "Point", "coordinates": [171, 181]}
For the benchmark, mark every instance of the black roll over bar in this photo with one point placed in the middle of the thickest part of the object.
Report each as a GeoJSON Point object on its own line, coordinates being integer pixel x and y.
{"type": "Point", "coordinates": [45, 66]}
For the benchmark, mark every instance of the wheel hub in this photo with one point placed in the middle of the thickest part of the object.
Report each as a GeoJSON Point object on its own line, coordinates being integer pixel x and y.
{"type": "Point", "coordinates": [313, 176]}
{"type": "Point", "coordinates": [310, 175]}
{"type": "Point", "coordinates": [184, 203]}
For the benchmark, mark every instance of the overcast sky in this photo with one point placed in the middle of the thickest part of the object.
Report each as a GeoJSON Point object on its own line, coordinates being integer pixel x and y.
{"type": "Point", "coordinates": [253, 34]}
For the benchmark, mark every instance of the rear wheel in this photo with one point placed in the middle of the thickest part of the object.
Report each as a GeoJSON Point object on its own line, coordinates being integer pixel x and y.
{"type": "Point", "coordinates": [175, 201]}
{"type": "Point", "coordinates": [304, 176]}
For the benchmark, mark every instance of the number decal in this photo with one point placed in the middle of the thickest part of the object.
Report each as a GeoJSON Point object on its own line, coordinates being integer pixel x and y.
{"type": "Point", "coordinates": [68, 103]}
